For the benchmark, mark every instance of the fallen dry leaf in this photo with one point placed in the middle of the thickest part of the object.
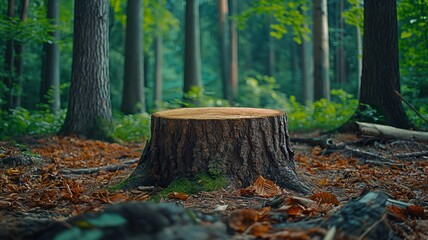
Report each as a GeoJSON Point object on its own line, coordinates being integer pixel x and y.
{"type": "Point", "coordinates": [241, 219]}
{"type": "Point", "coordinates": [178, 195]}
{"type": "Point", "coordinates": [415, 211]}
{"type": "Point", "coordinates": [325, 197]}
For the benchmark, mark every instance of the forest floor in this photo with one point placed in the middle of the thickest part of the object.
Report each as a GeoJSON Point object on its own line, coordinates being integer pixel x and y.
{"type": "Point", "coordinates": [54, 178]}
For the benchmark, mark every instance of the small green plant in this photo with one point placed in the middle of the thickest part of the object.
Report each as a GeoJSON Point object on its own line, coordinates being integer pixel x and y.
{"type": "Point", "coordinates": [132, 128]}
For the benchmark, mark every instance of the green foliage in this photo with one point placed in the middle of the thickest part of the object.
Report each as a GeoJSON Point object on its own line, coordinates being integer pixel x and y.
{"type": "Point", "coordinates": [131, 128]}
{"type": "Point", "coordinates": [416, 120]}
{"type": "Point", "coordinates": [413, 45]}
{"type": "Point", "coordinates": [261, 91]}
{"type": "Point", "coordinates": [196, 97]}
{"type": "Point", "coordinates": [321, 114]}
{"type": "Point", "coordinates": [35, 29]}
{"type": "Point", "coordinates": [288, 16]}
{"type": "Point", "coordinates": [355, 14]}
{"type": "Point", "coordinates": [20, 122]}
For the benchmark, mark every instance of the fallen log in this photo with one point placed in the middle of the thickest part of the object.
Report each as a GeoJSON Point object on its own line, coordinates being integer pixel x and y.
{"type": "Point", "coordinates": [390, 132]}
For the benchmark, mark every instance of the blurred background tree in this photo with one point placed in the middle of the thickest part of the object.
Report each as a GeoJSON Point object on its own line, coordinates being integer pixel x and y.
{"type": "Point", "coordinates": [270, 55]}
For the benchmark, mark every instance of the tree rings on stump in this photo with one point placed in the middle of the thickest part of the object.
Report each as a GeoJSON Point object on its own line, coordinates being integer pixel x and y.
{"type": "Point", "coordinates": [239, 143]}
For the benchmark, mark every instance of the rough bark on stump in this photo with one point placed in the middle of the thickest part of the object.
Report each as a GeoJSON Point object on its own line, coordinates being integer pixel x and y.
{"type": "Point", "coordinates": [240, 143]}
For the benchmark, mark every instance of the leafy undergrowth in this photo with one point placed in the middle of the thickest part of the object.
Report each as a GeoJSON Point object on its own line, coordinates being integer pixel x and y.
{"type": "Point", "coordinates": [56, 187]}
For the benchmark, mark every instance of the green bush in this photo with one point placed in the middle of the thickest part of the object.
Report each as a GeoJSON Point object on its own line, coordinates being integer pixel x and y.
{"type": "Point", "coordinates": [322, 114]}
{"type": "Point", "coordinates": [131, 128]}
{"type": "Point", "coordinates": [20, 122]}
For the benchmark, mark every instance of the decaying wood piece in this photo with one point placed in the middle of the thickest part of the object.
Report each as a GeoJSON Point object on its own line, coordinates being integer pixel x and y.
{"type": "Point", "coordinates": [391, 132]}
{"type": "Point", "coordinates": [363, 218]}
{"type": "Point", "coordinates": [239, 143]}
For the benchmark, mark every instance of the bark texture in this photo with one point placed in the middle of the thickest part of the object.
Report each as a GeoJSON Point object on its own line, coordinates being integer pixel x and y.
{"type": "Point", "coordinates": [380, 74]}
{"type": "Point", "coordinates": [239, 143]}
{"type": "Point", "coordinates": [89, 107]}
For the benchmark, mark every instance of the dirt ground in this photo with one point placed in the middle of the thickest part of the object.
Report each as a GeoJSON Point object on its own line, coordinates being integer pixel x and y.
{"type": "Point", "coordinates": [44, 179]}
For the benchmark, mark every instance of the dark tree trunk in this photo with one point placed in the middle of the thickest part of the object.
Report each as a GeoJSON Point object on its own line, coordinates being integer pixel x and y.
{"type": "Point", "coordinates": [19, 61]}
{"type": "Point", "coordinates": [158, 71]}
{"type": "Point", "coordinates": [89, 107]}
{"type": "Point", "coordinates": [8, 62]}
{"type": "Point", "coordinates": [224, 42]}
{"type": "Point", "coordinates": [49, 87]}
{"type": "Point", "coordinates": [240, 143]}
{"type": "Point", "coordinates": [321, 51]}
{"type": "Point", "coordinates": [380, 75]}
{"type": "Point", "coordinates": [192, 52]}
{"type": "Point", "coordinates": [133, 94]}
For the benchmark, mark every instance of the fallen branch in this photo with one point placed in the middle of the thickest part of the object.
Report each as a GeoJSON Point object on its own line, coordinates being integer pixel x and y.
{"type": "Point", "coordinates": [411, 107]}
{"type": "Point", "coordinates": [382, 164]}
{"type": "Point", "coordinates": [108, 168]}
{"type": "Point", "coordinates": [411, 155]}
{"type": "Point", "coordinates": [361, 153]}
{"type": "Point", "coordinates": [391, 132]}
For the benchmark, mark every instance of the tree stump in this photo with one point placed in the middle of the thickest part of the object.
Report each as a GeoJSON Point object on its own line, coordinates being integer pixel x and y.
{"type": "Point", "coordinates": [240, 143]}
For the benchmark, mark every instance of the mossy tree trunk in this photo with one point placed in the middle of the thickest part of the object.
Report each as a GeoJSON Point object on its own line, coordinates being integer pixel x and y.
{"type": "Point", "coordinates": [239, 143]}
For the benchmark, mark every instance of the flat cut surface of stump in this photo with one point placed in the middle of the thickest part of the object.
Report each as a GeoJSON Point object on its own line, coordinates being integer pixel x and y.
{"type": "Point", "coordinates": [239, 143]}
{"type": "Point", "coordinates": [222, 113]}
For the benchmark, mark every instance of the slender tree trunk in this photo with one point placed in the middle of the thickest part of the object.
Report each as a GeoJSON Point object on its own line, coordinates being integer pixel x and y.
{"type": "Point", "coordinates": [224, 42]}
{"type": "Point", "coordinates": [158, 71]}
{"type": "Point", "coordinates": [233, 49]}
{"type": "Point", "coordinates": [49, 88]}
{"type": "Point", "coordinates": [307, 66]}
{"type": "Point", "coordinates": [360, 57]}
{"type": "Point", "coordinates": [294, 49]}
{"type": "Point", "coordinates": [192, 54]}
{"type": "Point", "coordinates": [133, 94]}
{"type": "Point", "coordinates": [19, 61]}
{"type": "Point", "coordinates": [8, 62]}
{"type": "Point", "coordinates": [380, 76]}
{"type": "Point", "coordinates": [340, 51]}
{"type": "Point", "coordinates": [89, 107]}
{"type": "Point", "coordinates": [321, 51]}
{"type": "Point", "coordinates": [271, 57]}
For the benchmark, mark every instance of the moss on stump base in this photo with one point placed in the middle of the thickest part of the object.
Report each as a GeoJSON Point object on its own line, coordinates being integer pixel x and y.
{"type": "Point", "coordinates": [238, 143]}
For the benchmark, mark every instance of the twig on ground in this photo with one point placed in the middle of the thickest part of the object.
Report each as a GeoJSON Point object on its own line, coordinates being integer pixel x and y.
{"type": "Point", "coordinates": [362, 153]}
{"type": "Point", "coordinates": [109, 168]}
